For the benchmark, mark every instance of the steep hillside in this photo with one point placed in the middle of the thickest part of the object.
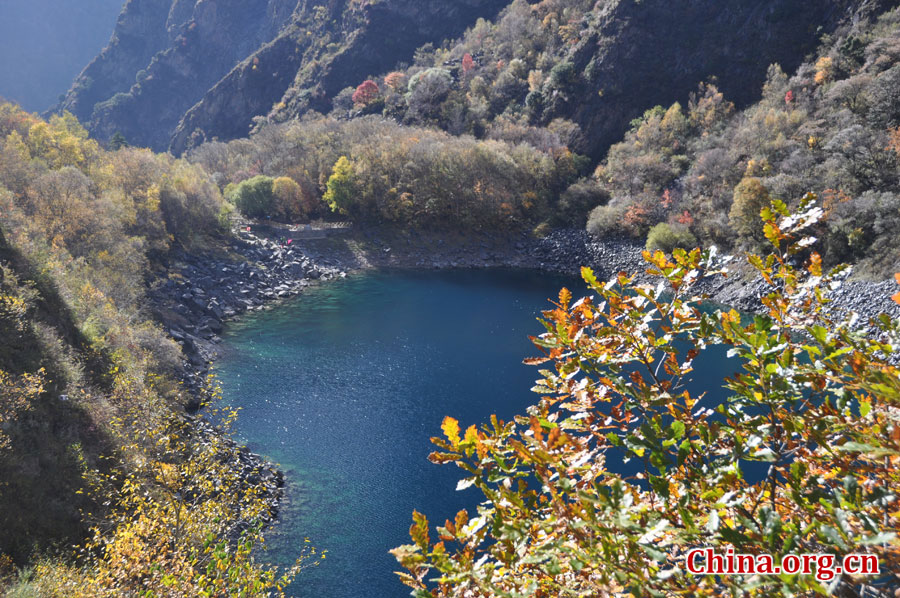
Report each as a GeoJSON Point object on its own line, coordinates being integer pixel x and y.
{"type": "Point", "coordinates": [704, 170]}
{"type": "Point", "coordinates": [107, 488]}
{"type": "Point", "coordinates": [642, 53]}
{"type": "Point", "coordinates": [597, 64]}
{"type": "Point", "coordinates": [234, 59]}
{"type": "Point", "coordinates": [163, 57]}
{"type": "Point", "coordinates": [178, 73]}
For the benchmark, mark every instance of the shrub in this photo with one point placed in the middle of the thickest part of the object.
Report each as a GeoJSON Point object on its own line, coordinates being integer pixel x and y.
{"type": "Point", "coordinates": [253, 197]}
{"type": "Point", "coordinates": [577, 202]}
{"type": "Point", "coordinates": [606, 220]}
{"type": "Point", "coordinates": [666, 237]}
{"type": "Point", "coordinates": [542, 230]}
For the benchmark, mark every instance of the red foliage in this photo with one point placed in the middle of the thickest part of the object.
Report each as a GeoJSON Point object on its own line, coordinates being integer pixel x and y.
{"type": "Point", "coordinates": [636, 216]}
{"type": "Point", "coordinates": [468, 63]}
{"type": "Point", "coordinates": [365, 93]}
{"type": "Point", "coordinates": [789, 97]}
{"type": "Point", "coordinates": [686, 219]}
{"type": "Point", "coordinates": [666, 199]}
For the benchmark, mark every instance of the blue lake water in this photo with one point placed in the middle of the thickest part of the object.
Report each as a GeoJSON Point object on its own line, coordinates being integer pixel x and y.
{"type": "Point", "coordinates": [344, 386]}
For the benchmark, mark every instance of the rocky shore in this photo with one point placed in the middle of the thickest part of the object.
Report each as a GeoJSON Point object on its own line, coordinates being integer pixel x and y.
{"type": "Point", "coordinates": [203, 291]}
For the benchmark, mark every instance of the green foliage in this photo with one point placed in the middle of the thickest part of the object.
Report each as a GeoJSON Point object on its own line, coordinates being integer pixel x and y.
{"type": "Point", "coordinates": [666, 237]}
{"type": "Point", "coordinates": [118, 141]}
{"type": "Point", "coordinates": [815, 401]}
{"type": "Point", "coordinates": [253, 197]}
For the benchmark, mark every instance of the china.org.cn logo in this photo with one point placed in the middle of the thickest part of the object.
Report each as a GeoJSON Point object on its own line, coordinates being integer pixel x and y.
{"type": "Point", "coordinates": [707, 561]}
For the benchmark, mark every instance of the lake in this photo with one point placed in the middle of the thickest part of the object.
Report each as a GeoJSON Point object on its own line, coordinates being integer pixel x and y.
{"type": "Point", "coordinates": [344, 386]}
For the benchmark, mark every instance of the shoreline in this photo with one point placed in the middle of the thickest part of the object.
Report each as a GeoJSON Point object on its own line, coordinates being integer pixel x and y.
{"type": "Point", "coordinates": [204, 291]}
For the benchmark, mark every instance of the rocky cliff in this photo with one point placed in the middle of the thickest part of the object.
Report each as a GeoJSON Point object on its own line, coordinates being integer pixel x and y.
{"type": "Point", "coordinates": [640, 53]}
{"type": "Point", "coordinates": [179, 72]}
{"type": "Point", "coordinates": [164, 55]}
{"type": "Point", "coordinates": [45, 43]}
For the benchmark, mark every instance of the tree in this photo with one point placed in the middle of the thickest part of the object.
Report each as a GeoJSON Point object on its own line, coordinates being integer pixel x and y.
{"type": "Point", "coordinates": [290, 203]}
{"type": "Point", "coordinates": [468, 63]}
{"type": "Point", "coordinates": [750, 196]}
{"type": "Point", "coordinates": [366, 93]}
{"type": "Point", "coordinates": [396, 80]}
{"type": "Point", "coordinates": [253, 197]}
{"type": "Point", "coordinates": [815, 403]}
{"type": "Point", "coordinates": [340, 193]}
{"type": "Point", "coordinates": [427, 89]}
{"type": "Point", "coordinates": [118, 141]}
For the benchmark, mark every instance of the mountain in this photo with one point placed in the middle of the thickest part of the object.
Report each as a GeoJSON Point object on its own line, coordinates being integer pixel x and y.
{"type": "Point", "coordinates": [178, 72]}
{"type": "Point", "coordinates": [45, 43]}
{"type": "Point", "coordinates": [172, 65]}
{"type": "Point", "coordinates": [601, 64]}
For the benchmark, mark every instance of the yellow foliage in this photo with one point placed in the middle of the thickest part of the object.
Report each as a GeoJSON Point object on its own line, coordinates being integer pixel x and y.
{"type": "Point", "coordinates": [175, 528]}
{"type": "Point", "coordinates": [16, 395]}
{"type": "Point", "coordinates": [824, 70]}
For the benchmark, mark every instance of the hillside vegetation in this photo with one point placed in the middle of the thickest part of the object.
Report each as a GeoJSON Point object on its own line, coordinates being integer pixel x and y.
{"type": "Point", "coordinates": [178, 73]}
{"type": "Point", "coordinates": [586, 68]}
{"type": "Point", "coordinates": [95, 451]}
{"type": "Point", "coordinates": [690, 173]}
{"type": "Point", "coordinates": [706, 169]}
{"type": "Point", "coordinates": [374, 170]}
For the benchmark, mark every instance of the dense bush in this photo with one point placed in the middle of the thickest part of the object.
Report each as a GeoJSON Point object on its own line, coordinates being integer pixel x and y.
{"type": "Point", "coordinates": [666, 237]}
{"type": "Point", "coordinates": [253, 197]}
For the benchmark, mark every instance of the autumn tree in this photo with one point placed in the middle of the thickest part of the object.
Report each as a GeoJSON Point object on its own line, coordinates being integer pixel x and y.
{"type": "Point", "coordinates": [340, 193]}
{"type": "Point", "coordinates": [291, 203]}
{"type": "Point", "coordinates": [750, 196]}
{"type": "Point", "coordinates": [468, 63]}
{"type": "Point", "coordinates": [365, 93]}
{"type": "Point", "coordinates": [396, 81]}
